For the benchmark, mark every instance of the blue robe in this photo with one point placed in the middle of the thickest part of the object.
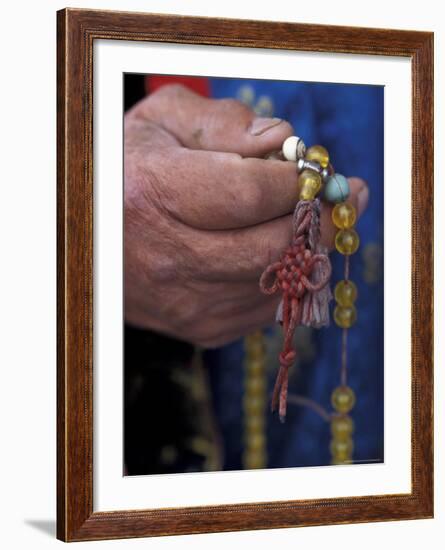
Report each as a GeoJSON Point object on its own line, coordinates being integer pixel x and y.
{"type": "Point", "coordinates": [348, 121]}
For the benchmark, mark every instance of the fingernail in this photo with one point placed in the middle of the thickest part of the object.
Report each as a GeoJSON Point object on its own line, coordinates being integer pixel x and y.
{"type": "Point", "coordinates": [262, 124]}
{"type": "Point", "coordinates": [362, 199]}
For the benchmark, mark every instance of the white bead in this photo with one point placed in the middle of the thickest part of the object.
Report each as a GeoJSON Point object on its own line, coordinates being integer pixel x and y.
{"type": "Point", "coordinates": [290, 148]}
{"type": "Point", "coordinates": [293, 148]}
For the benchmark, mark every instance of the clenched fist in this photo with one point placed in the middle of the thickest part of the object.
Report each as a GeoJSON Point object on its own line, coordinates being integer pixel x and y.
{"type": "Point", "coordinates": [205, 214]}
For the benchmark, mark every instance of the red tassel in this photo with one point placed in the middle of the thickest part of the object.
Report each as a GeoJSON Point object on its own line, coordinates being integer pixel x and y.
{"type": "Point", "coordinates": [302, 274]}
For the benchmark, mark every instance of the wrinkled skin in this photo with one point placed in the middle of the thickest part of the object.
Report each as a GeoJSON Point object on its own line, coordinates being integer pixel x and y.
{"type": "Point", "coordinates": [205, 214]}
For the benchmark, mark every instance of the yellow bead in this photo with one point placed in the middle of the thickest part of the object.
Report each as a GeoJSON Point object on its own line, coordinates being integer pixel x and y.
{"type": "Point", "coordinates": [318, 154]}
{"type": "Point", "coordinates": [345, 293]}
{"type": "Point", "coordinates": [254, 424]}
{"type": "Point", "coordinates": [255, 386]}
{"type": "Point", "coordinates": [345, 317]}
{"type": "Point", "coordinates": [254, 405]}
{"type": "Point", "coordinates": [343, 399]}
{"type": "Point", "coordinates": [337, 462]}
{"type": "Point", "coordinates": [341, 450]}
{"type": "Point", "coordinates": [310, 184]}
{"type": "Point", "coordinates": [344, 215]}
{"type": "Point", "coordinates": [255, 351]}
{"type": "Point", "coordinates": [347, 241]}
{"type": "Point", "coordinates": [255, 442]}
{"type": "Point", "coordinates": [342, 427]}
{"type": "Point", "coordinates": [254, 339]}
{"type": "Point", "coordinates": [255, 367]}
{"type": "Point", "coordinates": [253, 460]}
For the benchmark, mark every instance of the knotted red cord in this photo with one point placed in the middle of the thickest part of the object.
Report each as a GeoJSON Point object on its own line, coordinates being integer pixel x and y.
{"type": "Point", "coordinates": [302, 274]}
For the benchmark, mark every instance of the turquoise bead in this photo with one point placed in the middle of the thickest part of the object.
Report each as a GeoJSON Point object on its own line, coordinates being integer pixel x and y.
{"type": "Point", "coordinates": [336, 188]}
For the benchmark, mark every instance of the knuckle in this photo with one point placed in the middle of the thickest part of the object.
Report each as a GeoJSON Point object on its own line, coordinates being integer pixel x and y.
{"type": "Point", "coordinates": [148, 186]}
{"type": "Point", "coordinates": [161, 99]}
{"type": "Point", "coordinates": [170, 91]}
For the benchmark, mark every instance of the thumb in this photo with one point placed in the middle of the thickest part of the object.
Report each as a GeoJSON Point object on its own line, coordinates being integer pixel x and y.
{"type": "Point", "coordinates": [224, 125]}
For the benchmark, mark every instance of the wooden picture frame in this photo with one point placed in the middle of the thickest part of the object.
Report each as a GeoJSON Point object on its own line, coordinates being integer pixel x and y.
{"type": "Point", "coordinates": [77, 31]}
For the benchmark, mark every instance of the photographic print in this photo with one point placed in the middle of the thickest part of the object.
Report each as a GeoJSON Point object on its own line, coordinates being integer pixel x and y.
{"type": "Point", "coordinates": [245, 214]}
{"type": "Point", "coordinates": [234, 358]}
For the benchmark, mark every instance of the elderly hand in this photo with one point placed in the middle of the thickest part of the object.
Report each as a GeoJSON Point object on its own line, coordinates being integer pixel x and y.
{"type": "Point", "coordinates": [205, 214]}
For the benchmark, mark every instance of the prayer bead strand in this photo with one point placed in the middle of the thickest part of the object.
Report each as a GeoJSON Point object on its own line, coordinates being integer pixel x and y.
{"type": "Point", "coordinates": [315, 169]}
{"type": "Point", "coordinates": [316, 175]}
{"type": "Point", "coordinates": [345, 315]}
{"type": "Point", "coordinates": [254, 404]}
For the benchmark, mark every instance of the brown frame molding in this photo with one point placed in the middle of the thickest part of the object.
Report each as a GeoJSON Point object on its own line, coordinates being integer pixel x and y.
{"type": "Point", "coordinates": [76, 32]}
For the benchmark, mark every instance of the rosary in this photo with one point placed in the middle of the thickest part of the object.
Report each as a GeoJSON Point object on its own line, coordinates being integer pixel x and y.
{"type": "Point", "coordinates": [302, 275]}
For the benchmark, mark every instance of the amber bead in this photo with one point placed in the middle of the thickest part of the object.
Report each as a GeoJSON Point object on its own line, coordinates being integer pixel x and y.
{"type": "Point", "coordinates": [345, 293]}
{"type": "Point", "coordinates": [254, 345]}
{"type": "Point", "coordinates": [310, 184]}
{"type": "Point", "coordinates": [255, 442]}
{"type": "Point", "coordinates": [342, 427]}
{"type": "Point", "coordinates": [341, 449]}
{"type": "Point", "coordinates": [343, 399]}
{"type": "Point", "coordinates": [255, 367]}
{"type": "Point", "coordinates": [254, 460]}
{"type": "Point", "coordinates": [255, 386]}
{"type": "Point", "coordinates": [345, 317]}
{"type": "Point", "coordinates": [254, 423]}
{"type": "Point", "coordinates": [255, 352]}
{"type": "Point", "coordinates": [344, 215]}
{"type": "Point", "coordinates": [347, 241]}
{"type": "Point", "coordinates": [254, 404]}
{"type": "Point", "coordinates": [318, 153]}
